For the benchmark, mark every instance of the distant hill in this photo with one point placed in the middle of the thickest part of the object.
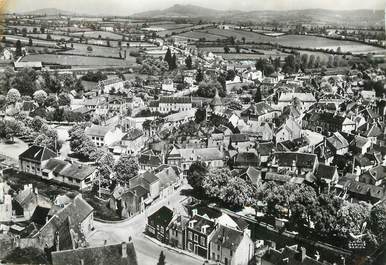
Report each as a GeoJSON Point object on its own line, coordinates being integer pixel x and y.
{"type": "Point", "coordinates": [48, 12]}
{"type": "Point", "coordinates": [319, 16]}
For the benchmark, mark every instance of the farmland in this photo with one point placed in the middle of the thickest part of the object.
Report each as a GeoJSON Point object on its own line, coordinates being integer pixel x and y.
{"type": "Point", "coordinates": [82, 61]}
{"type": "Point", "coordinates": [295, 41]}
{"type": "Point", "coordinates": [181, 30]}
{"type": "Point", "coordinates": [96, 34]}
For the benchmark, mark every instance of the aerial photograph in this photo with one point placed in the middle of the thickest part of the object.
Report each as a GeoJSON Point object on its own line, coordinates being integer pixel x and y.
{"type": "Point", "coordinates": [176, 132]}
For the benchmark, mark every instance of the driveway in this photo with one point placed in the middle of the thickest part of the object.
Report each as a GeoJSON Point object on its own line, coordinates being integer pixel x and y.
{"type": "Point", "coordinates": [13, 150]}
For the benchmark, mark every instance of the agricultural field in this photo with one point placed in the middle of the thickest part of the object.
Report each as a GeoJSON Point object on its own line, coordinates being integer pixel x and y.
{"type": "Point", "coordinates": [96, 34]}
{"type": "Point", "coordinates": [296, 41]}
{"type": "Point", "coordinates": [181, 30]}
{"type": "Point", "coordinates": [202, 35]}
{"type": "Point", "coordinates": [83, 61]}
{"type": "Point", "coordinates": [101, 51]}
{"type": "Point", "coordinates": [53, 36]}
{"type": "Point", "coordinates": [169, 26]}
{"type": "Point", "coordinates": [24, 40]}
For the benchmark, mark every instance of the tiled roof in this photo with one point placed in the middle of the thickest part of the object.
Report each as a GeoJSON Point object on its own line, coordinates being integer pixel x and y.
{"type": "Point", "coordinates": [325, 171]}
{"type": "Point", "coordinates": [77, 171]}
{"type": "Point", "coordinates": [338, 141]}
{"type": "Point", "coordinates": [97, 130]}
{"type": "Point", "coordinates": [103, 255]}
{"type": "Point", "coordinates": [227, 237]}
{"type": "Point", "coordinates": [55, 165]}
{"type": "Point", "coordinates": [37, 153]}
{"type": "Point", "coordinates": [258, 109]}
{"type": "Point", "coordinates": [288, 97]}
{"type": "Point", "coordinates": [151, 160]}
{"type": "Point", "coordinates": [301, 159]}
{"type": "Point", "coordinates": [162, 216]}
{"type": "Point", "coordinates": [133, 134]}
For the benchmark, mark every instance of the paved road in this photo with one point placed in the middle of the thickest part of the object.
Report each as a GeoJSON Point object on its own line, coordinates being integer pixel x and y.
{"type": "Point", "coordinates": [147, 251]}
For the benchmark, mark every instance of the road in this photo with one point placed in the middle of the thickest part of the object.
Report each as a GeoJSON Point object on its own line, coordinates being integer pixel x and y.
{"type": "Point", "coordinates": [147, 251]}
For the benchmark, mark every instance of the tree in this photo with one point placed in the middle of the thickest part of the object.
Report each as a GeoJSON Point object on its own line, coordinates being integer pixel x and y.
{"type": "Point", "coordinates": [25, 81]}
{"type": "Point", "coordinates": [37, 124]}
{"type": "Point", "coordinates": [49, 37]}
{"type": "Point", "coordinates": [13, 96]}
{"type": "Point", "coordinates": [377, 222]}
{"type": "Point", "coordinates": [196, 174]}
{"type": "Point", "coordinates": [226, 49]}
{"type": "Point", "coordinates": [64, 99]}
{"type": "Point", "coordinates": [289, 66]}
{"type": "Point", "coordinates": [173, 64]}
{"type": "Point", "coordinates": [51, 101]}
{"type": "Point", "coordinates": [80, 143]}
{"type": "Point", "coordinates": [105, 162]}
{"type": "Point", "coordinates": [304, 60]}
{"type": "Point", "coordinates": [168, 57]}
{"type": "Point", "coordinates": [30, 43]}
{"type": "Point", "coordinates": [188, 62]}
{"type": "Point", "coordinates": [208, 89]}
{"type": "Point", "coordinates": [18, 48]}
{"type": "Point", "coordinates": [257, 97]}
{"type": "Point", "coordinates": [161, 260]}
{"type": "Point", "coordinates": [199, 76]}
{"type": "Point", "coordinates": [40, 97]}
{"type": "Point", "coordinates": [200, 115]}
{"type": "Point", "coordinates": [230, 75]}
{"type": "Point", "coordinates": [215, 181]}
{"type": "Point", "coordinates": [351, 217]}
{"type": "Point", "coordinates": [89, 49]}
{"type": "Point", "coordinates": [311, 61]}
{"type": "Point", "coordinates": [126, 168]}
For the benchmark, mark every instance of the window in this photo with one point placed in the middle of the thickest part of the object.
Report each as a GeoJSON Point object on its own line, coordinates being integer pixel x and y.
{"type": "Point", "coordinates": [196, 238]}
{"type": "Point", "coordinates": [202, 241]}
{"type": "Point", "coordinates": [218, 247]}
{"type": "Point", "coordinates": [190, 246]}
{"type": "Point", "coordinates": [231, 253]}
{"type": "Point", "coordinates": [190, 235]}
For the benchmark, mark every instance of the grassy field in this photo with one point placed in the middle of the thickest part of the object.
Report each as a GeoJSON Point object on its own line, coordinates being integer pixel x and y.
{"type": "Point", "coordinates": [102, 51]}
{"type": "Point", "coordinates": [296, 41]}
{"type": "Point", "coordinates": [25, 40]}
{"type": "Point", "coordinates": [95, 34]}
{"type": "Point", "coordinates": [78, 60]}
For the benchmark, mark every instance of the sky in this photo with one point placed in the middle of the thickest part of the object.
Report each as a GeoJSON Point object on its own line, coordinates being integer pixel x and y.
{"type": "Point", "coordinates": [128, 7]}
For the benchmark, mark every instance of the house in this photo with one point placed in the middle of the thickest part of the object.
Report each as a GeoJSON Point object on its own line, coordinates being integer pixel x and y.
{"type": "Point", "coordinates": [199, 233]}
{"type": "Point", "coordinates": [183, 158]}
{"type": "Point", "coordinates": [133, 141]}
{"type": "Point", "coordinates": [240, 142]}
{"type": "Point", "coordinates": [289, 131]}
{"type": "Point", "coordinates": [128, 201]}
{"type": "Point", "coordinates": [168, 86]}
{"type": "Point", "coordinates": [306, 100]}
{"type": "Point", "coordinates": [158, 222]}
{"type": "Point", "coordinates": [245, 160]}
{"type": "Point", "coordinates": [171, 104]}
{"type": "Point", "coordinates": [169, 179]}
{"type": "Point", "coordinates": [374, 176]}
{"type": "Point", "coordinates": [176, 230]}
{"type": "Point", "coordinates": [34, 159]}
{"type": "Point", "coordinates": [149, 161]}
{"type": "Point", "coordinates": [299, 163]}
{"type": "Point", "coordinates": [259, 112]}
{"type": "Point", "coordinates": [5, 203]}
{"type": "Point", "coordinates": [117, 254]}
{"type": "Point", "coordinates": [329, 174]}
{"type": "Point", "coordinates": [251, 175]}
{"type": "Point", "coordinates": [216, 105]}
{"type": "Point", "coordinates": [112, 85]}
{"type": "Point", "coordinates": [338, 144]}
{"type": "Point", "coordinates": [325, 122]}
{"type": "Point", "coordinates": [293, 255]}
{"type": "Point", "coordinates": [231, 247]}
{"type": "Point", "coordinates": [149, 181]}
{"type": "Point", "coordinates": [76, 174]}
{"type": "Point", "coordinates": [76, 217]}
{"type": "Point", "coordinates": [104, 135]}
{"type": "Point", "coordinates": [362, 191]}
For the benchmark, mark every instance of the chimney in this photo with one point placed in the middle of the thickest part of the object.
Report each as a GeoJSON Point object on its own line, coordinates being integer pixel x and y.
{"type": "Point", "coordinates": [105, 242]}
{"type": "Point", "coordinates": [303, 253]}
{"type": "Point", "coordinates": [124, 250]}
{"type": "Point", "coordinates": [194, 212]}
{"type": "Point", "coordinates": [81, 261]}
{"type": "Point", "coordinates": [36, 191]}
{"type": "Point", "coordinates": [247, 232]}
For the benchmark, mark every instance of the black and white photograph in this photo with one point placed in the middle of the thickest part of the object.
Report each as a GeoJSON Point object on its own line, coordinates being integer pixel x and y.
{"type": "Point", "coordinates": [193, 132]}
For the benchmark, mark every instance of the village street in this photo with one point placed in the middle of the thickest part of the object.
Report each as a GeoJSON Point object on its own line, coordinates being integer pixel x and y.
{"type": "Point", "coordinates": [147, 251]}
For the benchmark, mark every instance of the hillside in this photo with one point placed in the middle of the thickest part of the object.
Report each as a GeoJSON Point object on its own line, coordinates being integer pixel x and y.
{"type": "Point", "coordinates": [316, 16]}
{"type": "Point", "coordinates": [48, 12]}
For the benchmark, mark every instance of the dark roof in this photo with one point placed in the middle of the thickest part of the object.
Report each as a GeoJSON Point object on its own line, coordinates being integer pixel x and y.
{"type": "Point", "coordinates": [162, 217]}
{"type": "Point", "coordinates": [252, 173]}
{"type": "Point", "coordinates": [265, 149]}
{"type": "Point", "coordinates": [200, 221]}
{"type": "Point", "coordinates": [147, 159]}
{"type": "Point", "coordinates": [103, 255]}
{"type": "Point", "coordinates": [37, 153]}
{"type": "Point", "coordinates": [227, 237]}
{"type": "Point", "coordinates": [55, 165]}
{"type": "Point", "coordinates": [291, 255]}
{"type": "Point", "coordinates": [257, 109]}
{"type": "Point", "coordinates": [325, 117]}
{"type": "Point", "coordinates": [356, 187]}
{"type": "Point", "coordinates": [301, 159]}
{"type": "Point", "coordinates": [139, 191]}
{"type": "Point", "coordinates": [150, 177]}
{"type": "Point", "coordinates": [325, 171]}
{"type": "Point", "coordinates": [133, 134]}
{"type": "Point", "coordinates": [239, 137]}
{"type": "Point", "coordinates": [78, 171]}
